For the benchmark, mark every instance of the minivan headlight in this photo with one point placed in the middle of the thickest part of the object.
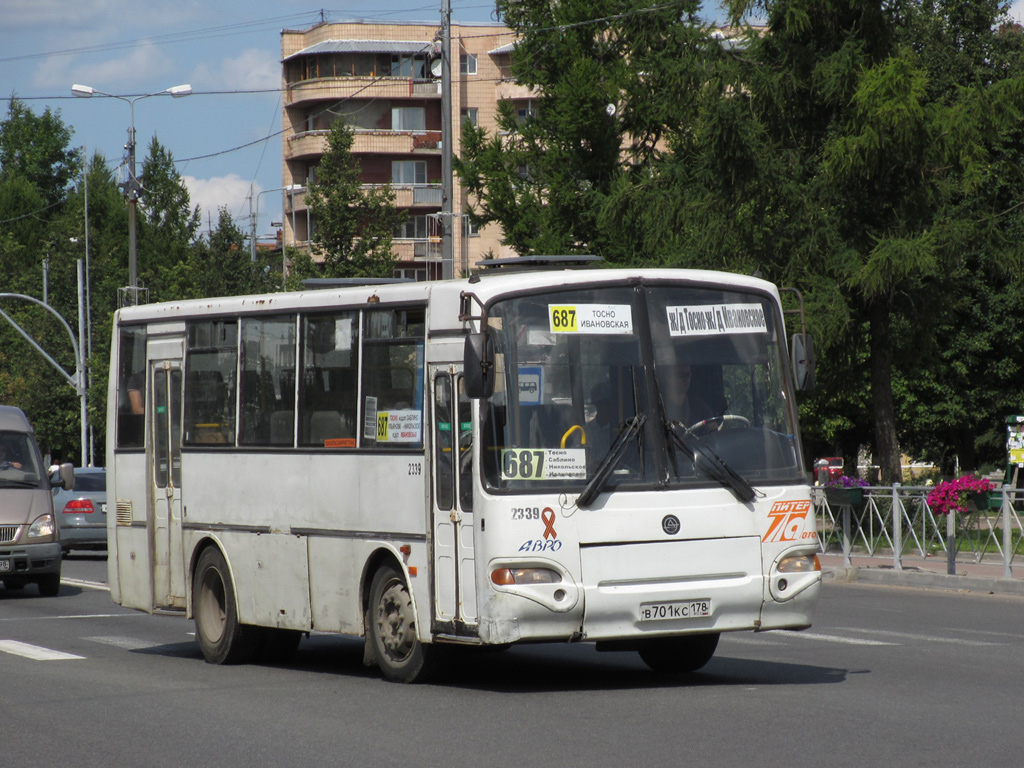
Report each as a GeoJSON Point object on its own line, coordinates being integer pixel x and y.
{"type": "Point", "coordinates": [42, 527]}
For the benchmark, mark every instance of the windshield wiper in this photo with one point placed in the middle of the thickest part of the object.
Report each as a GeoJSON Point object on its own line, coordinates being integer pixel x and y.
{"type": "Point", "coordinates": [610, 460]}
{"type": "Point", "coordinates": [708, 462]}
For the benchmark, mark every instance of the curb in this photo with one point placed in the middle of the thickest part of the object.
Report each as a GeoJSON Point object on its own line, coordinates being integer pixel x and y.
{"type": "Point", "coordinates": [912, 577]}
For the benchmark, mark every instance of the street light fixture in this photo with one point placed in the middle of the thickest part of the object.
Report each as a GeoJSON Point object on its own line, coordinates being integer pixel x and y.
{"type": "Point", "coordinates": [132, 187]}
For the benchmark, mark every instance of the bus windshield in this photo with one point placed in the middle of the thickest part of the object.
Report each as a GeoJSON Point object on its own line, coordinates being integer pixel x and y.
{"type": "Point", "coordinates": [646, 386]}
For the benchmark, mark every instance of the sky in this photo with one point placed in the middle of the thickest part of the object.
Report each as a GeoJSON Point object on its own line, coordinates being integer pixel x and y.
{"type": "Point", "coordinates": [225, 136]}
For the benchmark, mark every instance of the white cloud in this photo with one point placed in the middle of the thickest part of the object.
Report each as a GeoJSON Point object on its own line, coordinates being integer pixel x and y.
{"type": "Point", "coordinates": [137, 66]}
{"type": "Point", "coordinates": [231, 192]}
{"type": "Point", "coordinates": [252, 69]}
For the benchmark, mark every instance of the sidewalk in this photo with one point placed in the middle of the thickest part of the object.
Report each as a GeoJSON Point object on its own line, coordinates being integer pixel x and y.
{"type": "Point", "coordinates": [986, 577]}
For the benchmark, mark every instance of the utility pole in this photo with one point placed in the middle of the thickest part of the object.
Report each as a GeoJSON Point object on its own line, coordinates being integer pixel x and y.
{"type": "Point", "coordinates": [447, 192]}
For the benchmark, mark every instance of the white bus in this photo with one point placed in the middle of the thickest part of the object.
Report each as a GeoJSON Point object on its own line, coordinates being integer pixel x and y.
{"type": "Point", "coordinates": [563, 455]}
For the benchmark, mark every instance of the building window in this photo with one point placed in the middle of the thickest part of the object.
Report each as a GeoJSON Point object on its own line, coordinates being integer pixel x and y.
{"type": "Point", "coordinates": [524, 111]}
{"type": "Point", "coordinates": [414, 228]}
{"type": "Point", "coordinates": [470, 114]}
{"type": "Point", "coordinates": [408, 172]}
{"type": "Point", "coordinates": [408, 119]}
{"type": "Point", "coordinates": [467, 64]}
{"type": "Point", "coordinates": [469, 229]}
{"type": "Point", "coordinates": [405, 65]}
{"type": "Point", "coordinates": [419, 274]}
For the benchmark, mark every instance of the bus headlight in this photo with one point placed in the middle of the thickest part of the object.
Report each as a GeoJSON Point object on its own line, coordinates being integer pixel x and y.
{"type": "Point", "coordinates": [799, 564]}
{"type": "Point", "coordinates": [509, 576]}
{"type": "Point", "coordinates": [42, 527]}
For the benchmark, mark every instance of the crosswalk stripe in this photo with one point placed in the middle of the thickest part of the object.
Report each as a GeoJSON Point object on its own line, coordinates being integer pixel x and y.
{"type": "Point", "coordinates": [35, 652]}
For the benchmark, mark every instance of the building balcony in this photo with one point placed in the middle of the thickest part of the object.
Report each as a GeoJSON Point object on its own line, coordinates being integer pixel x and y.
{"type": "Point", "coordinates": [336, 88]}
{"type": "Point", "coordinates": [406, 196]}
{"type": "Point", "coordinates": [507, 89]}
{"type": "Point", "coordinates": [314, 143]}
{"type": "Point", "coordinates": [417, 250]}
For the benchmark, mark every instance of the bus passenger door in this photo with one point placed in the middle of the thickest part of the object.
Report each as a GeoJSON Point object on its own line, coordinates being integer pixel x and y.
{"type": "Point", "coordinates": [455, 609]}
{"type": "Point", "coordinates": [165, 484]}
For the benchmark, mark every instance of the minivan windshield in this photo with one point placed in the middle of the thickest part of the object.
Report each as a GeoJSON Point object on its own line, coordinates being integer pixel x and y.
{"type": "Point", "coordinates": [20, 463]}
{"type": "Point", "coordinates": [641, 386]}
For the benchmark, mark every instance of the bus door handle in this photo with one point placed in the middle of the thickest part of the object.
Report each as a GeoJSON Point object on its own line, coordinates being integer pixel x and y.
{"type": "Point", "coordinates": [456, 516]}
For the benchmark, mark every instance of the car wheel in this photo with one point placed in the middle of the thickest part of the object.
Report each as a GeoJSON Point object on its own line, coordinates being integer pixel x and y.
{"type": "Point", "coordinates": [222, 638]}
{"type": "Point", "coordinates": [678, 655]}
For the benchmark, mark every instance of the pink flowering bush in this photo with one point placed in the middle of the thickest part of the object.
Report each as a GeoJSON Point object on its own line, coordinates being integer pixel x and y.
{"type": "Point", "coordinates": [951, 495]}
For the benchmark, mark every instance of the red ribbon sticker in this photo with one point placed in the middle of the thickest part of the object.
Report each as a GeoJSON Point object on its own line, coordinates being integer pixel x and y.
{"type": "Point", "coordinates": [548, 516]}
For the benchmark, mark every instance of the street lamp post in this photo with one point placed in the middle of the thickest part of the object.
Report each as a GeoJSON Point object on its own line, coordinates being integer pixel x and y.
{"type": "Point", "coordinates": [254, 214]}
{"type": "Point", "coordinates": [132, 187]}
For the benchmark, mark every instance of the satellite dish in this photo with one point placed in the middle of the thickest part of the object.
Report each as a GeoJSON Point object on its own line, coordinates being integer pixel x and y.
{"type": "Point", "coordinates": [610, 109]}
{"type": "Point", "coordinates": [435, 67]}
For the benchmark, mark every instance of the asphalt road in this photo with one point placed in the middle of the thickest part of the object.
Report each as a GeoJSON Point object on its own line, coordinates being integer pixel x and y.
{"type": "Point", "coordinates": [887, 676]}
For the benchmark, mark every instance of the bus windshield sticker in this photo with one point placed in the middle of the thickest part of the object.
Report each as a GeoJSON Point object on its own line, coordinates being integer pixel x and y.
{"type": "Point", "coordinates": [370, 418]}
{"type": "Point", "coordinates": [544, 464]}
{"type": "Point", "coordinates": [591, 318]}
{"type": "Point", "coordinates": [716, 319]}
{"type": "Point", "coordinates": [530, 384]}
{"type": "Point", "coordinates": [404, 426]}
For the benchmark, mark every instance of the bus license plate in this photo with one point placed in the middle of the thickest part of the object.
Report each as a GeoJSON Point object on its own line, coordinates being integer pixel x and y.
{"type": "Point", "coordinates": [5, 565]}
{"type": "Point", "coordinates": [680, 609]}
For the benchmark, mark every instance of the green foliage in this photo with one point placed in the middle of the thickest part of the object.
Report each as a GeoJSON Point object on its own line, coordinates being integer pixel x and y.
{"type": "Point", "coordinates": [354, 228]}
{"type": "Point", "coordinates": [35, 148]}
{"type": "Point", "coordinates": [868, 153]}
{"type": "Point", "coordinates": [220, 265]}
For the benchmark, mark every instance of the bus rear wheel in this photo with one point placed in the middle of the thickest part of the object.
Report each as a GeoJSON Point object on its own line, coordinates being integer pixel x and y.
{"type": "Point", "coordinates": [391, 624]}
{"type": "Point", "coordinates": [222, 638]}
{"type": "Point", "coordinates": [678, 655]}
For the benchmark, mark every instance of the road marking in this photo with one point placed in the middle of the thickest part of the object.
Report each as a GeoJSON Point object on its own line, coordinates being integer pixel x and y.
{"type": "Point", "coordinates": [35, 652]}
{"type": "Point", "coordinates": [922, 638]}
{"type": "Point", "coordinates": [72, 616]}
{"type": "Point", "coordinates": [98, 585]}
{"type": "Point", "coordinates": [127, 643]}
{"type": "Point", "coordinates": [838, 639]}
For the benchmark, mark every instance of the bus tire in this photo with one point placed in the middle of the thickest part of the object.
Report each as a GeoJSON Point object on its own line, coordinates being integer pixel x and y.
{"type": "Point", "coordinates": [49, 585]}
{"type": "Point", "coordinates": [391, 625]}
{"type": "Point", "coordinates": [678, 655]}
{"type": "Point", "coordinates": [222, 638]}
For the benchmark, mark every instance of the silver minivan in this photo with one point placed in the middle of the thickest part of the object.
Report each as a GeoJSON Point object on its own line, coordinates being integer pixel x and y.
{"type": "Point", "coordinates": [29, 540]}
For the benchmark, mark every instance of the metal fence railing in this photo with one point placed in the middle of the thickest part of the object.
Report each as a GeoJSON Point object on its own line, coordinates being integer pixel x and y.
{"type": "Point", "coordinates": [897, 521]}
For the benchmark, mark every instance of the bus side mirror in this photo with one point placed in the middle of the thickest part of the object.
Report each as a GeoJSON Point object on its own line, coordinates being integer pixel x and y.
{"type": "Point", "coordinates": [478, 365]}
{"type": "Point", "coordinates": [802, 357]}
{"type": "Point", "coordinates": [63, 476]}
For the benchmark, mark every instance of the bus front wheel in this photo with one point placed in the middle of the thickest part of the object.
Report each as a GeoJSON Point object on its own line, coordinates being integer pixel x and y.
{"type": "Point", "coordinates": [678, 655]}
{"type": "Point", "coordinates": [391, 624]}
{"type": "Point", "coordinates": [222, 638]}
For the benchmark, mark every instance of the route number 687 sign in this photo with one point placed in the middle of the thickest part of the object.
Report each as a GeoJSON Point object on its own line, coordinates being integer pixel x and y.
{"type": "Point", "coordinates": [543, 464]}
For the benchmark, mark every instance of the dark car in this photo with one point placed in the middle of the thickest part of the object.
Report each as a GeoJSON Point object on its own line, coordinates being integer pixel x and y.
{"type": "Point", "coordinates": [82, 513]}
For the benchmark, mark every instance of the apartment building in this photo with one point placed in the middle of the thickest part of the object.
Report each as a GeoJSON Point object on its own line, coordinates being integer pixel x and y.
{"type": "Point", "coordinates": [385, 81]}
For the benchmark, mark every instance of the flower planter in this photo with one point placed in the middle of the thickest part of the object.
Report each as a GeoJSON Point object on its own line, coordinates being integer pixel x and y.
{"type": "Point", "coordinates": [982, 501]}
{"type": "Point", "coordinates": [843, 497]}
